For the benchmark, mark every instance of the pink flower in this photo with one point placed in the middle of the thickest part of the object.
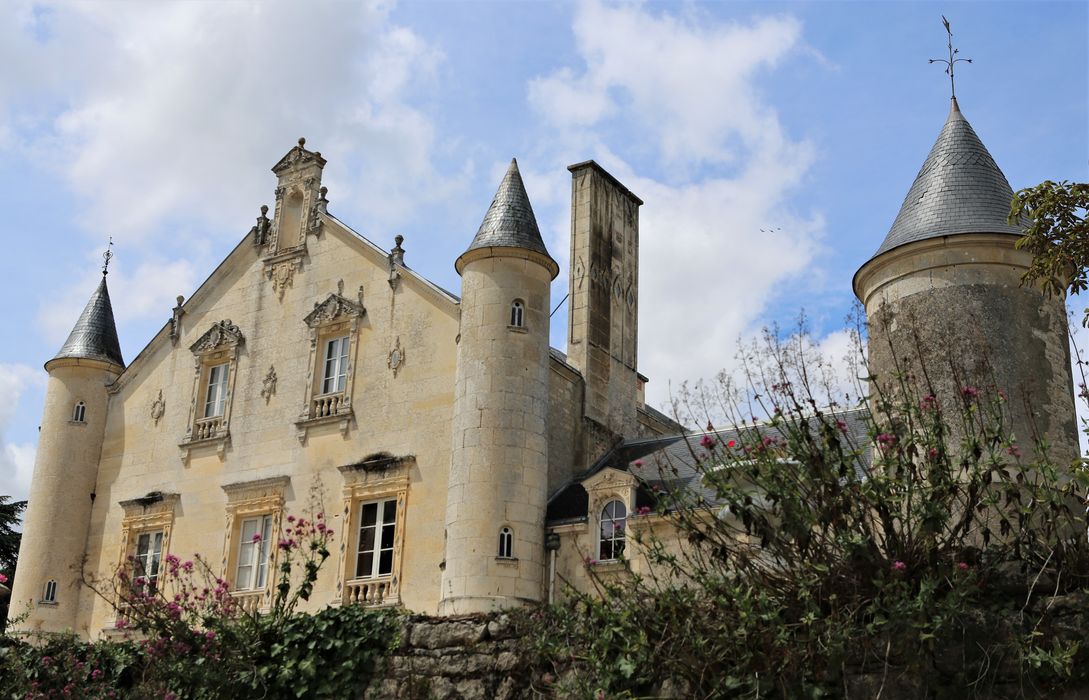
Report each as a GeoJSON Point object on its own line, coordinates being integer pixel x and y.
{"type": "Point", "coordinates": [291, 518]}
{"type": "Point", "coordinates": [885, 440]}
{"type": "Point", "coordinates": [841, 426]}
{"type": "Point", "coordinates": [963, 566]}
{"type": "Point", "coordinates": [96, 674]}
{"type": "Point", "coordinates": [969, 392]}
{"type": "Point", "coordinates": [933, 453]}
{"type": "Point", "coordinates": [643, 510]}
{"type": "Point", "coordinates": [929, 402]}
{"type": "Point", "coordinates": [1014, 451]}
{"type": "Point", "coordinates": [899, 566]}
{"type": "Point", "coordinates": [731, 443]}
{"type": "Point", "coordinates": [209, 635]}
{"type": "Point", "coordinates": [638, 462]}
{"type": "Point", "coordinates": [257, 537]}
{"type": "Point", "coordinates": [320, 516]}
{"type": "Point", "coordinates": [706, 442]}
{"type": "Point", "coordinates": [3, 578]}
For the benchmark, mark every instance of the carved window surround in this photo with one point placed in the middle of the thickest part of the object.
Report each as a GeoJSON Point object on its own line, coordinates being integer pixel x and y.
{"type": "Point", "coordinates": [218, 346]}
{"type": "Point", "coordinates": [147, 514]}
{"type": "Point", "coordinates": [335, 317]}
{"type": "Point", "coordinates": [381, 478]}
{"type": "Point", "coordinates": [609, 485]}
{"type": "Point", "coordinates": [249, 499]}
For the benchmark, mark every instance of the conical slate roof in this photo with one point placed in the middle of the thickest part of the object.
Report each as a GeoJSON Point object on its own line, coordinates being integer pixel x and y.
{"type": "Point", "coordinates": [94, 336]}
{"type": "Point", "coordinates": [509, 222]}
{"type": "Point", "coordinates": [959, 189]}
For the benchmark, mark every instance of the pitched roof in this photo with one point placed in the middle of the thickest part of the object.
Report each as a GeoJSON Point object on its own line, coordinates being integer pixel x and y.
{"type": "Point", "coordinates": [959, 189]}
{"type": "Point", "coordinates": [509, 222]}
{"type": "Point", "coordinates": [94, 336]}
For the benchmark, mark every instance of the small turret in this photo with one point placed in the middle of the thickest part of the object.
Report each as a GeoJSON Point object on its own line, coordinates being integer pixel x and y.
{"type": "Point", "coordinates": [944, 290]}
{"type": "Point", "coordinates": [47, 581]}
{"type": "Point", "coordinates": [499, 466]}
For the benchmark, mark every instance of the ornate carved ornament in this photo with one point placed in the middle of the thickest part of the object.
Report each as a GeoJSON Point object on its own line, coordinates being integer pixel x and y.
{"type": "Point", "coordinates": [298, 156]}
{"type": "Point", "coordinates": [158, 408]}
{"type": "Point", "coordinates": [153, 505]}
{"type": "Point", "coordinates": [268, 385]}
{"type": "Point", "coordinates": [222, 334]}
{"type": "Point", "coordinates": [396, 357]}
{"type": "Point", "coordinates": [266, 493]}
{"type": "Point", "coordinates": [334, 307]}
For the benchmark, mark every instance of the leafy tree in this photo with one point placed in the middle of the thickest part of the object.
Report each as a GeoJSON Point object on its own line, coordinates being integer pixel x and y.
{"type": "Point", "coordinates": [10, 511]}
{"type": "Point", "coordinates": [1056, 234]}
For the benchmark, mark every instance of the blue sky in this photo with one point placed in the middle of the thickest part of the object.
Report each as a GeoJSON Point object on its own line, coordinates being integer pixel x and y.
{"type": "Point", "coordinates": [157, 124]}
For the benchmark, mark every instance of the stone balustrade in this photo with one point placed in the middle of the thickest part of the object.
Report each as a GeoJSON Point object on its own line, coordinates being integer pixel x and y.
{"type": "Point", "coordinates": [371, 591]}
{"type": "Point", "coordinates": [207, 428]}
{"type": "Point", "coordinates": [327, 405]}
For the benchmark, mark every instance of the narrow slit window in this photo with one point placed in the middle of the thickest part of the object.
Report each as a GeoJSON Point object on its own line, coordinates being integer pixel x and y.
{"type": "Point", "coordinates": [335, 377]}
{"type": "Point", "coordinates": [506, 543]}
{"type": "Point", "coordinates": [215, 401]}
{"type": "Point", "coordinates": [49, 595]}
{"type": "Point", "coordinates": [517, 314]}
{"type": "Point", "coordinates": [79, 413]}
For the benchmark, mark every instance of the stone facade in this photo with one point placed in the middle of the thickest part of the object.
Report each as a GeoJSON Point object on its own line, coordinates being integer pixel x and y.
{"type": "Point", "coordinates": [313, 369]}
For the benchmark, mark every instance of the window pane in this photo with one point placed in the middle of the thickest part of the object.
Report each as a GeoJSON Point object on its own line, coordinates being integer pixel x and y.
{"type": "Point", "coordinates": [366, 539]}
{"type": "Point", "coordinates": [364, 564]}
{"type": "Point", "coordinates": [387, 536]}
{"type": "Point", "coordinates": [370, 514]}
{"type": "Point", "coordinates": [385, 564]}
{"type": "Point", "coordinates": [389, 512]}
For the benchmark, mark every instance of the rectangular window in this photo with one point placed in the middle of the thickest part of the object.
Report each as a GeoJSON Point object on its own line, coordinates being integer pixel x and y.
{"type": "Point", "coordinates": [216, 398]}
{"type": "Point", "coordinates": [377, 526]}
{"type": "Point", "coordinates": [253, 551]}
{"type": "Point", "coordinates": [336, 366]}
{"type": "Point", "coordinates": [145, 569]}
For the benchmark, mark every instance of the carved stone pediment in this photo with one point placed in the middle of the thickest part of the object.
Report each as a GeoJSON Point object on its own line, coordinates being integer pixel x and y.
{"type": "Point", "coordinates": [334, 307]}
{"type": "Point", "coordinates": [298, 156]}
{"type": "Point", "coordinates": [221, 334]}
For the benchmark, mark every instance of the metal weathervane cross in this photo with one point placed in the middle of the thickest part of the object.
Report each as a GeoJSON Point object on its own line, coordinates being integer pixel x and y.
{"type": "Point", "coordinates": [953, 60]}
{"type": "Point", "coordinates": [107, 257]}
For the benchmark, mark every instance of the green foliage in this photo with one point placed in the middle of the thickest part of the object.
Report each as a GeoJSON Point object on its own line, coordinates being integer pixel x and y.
{"type": "Point", "coordinates": [186, 637]}
{"type": "Point", "coordinates": [1056, 234]}
{"type": "Point", "coordinates": [817, 552]}
{"type": "Point", "coordinates": [10, 512]}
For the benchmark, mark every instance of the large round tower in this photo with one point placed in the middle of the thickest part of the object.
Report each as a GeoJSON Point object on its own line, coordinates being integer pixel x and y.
{"type": "Point", "coordinates": [47, 578]}
{"type": "Point", "coordinates": [944, 293]}
{"type": "Point", "coordinates": [499, 465]}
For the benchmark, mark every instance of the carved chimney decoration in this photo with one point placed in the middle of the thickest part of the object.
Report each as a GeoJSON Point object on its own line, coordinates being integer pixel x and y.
{"type": "Point", "coordinates": [300, 202]}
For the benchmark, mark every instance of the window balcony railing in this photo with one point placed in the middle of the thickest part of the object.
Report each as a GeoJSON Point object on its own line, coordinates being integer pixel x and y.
{"type": "Point", "coordinates": [248, 601]}
{"type": "Point", "coordinates": [371, 591]}
{"type": "Point", "coordinates": [328, 405]}
{"type": "Point", "coordinates": [208, 428]}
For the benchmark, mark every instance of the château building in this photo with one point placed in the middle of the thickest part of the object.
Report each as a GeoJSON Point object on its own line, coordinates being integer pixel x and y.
{"type": "Point", "coordinates": [463, 463]}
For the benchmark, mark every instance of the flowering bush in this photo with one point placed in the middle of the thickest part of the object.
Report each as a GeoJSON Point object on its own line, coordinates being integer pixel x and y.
{"type": "Point", "coordinates": [186, 636]}
{"type": "Point", "coordinates": [913, 541]}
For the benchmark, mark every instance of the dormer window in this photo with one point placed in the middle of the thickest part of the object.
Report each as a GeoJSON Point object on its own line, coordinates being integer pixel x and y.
{"type": "Point", "coordinates": [79, 413]}
{"type": "Point", "coordinates": [613, 524]}
{"type": "Point", "coordinates": [334, 341]}
{"type": "Point", "coordinates": [517, 314]}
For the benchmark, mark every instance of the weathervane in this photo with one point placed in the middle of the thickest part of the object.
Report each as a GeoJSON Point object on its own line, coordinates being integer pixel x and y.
{"type": "Point", "coordinates": [952, 58]}
{"type": "Point", "coordinates": [107, 257]}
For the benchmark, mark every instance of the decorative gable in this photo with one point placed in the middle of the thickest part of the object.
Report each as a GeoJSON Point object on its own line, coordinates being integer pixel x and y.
{"type": "Point", "coordinates": [298, 157]}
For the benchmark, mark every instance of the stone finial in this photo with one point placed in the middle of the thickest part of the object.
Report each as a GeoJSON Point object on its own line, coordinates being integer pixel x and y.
{"type": "Point", "coordinates": [302, 142]}
{"type": "Point", "coordinates": [397, 253]}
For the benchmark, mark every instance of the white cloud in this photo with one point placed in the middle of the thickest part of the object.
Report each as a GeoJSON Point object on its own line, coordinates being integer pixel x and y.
{"type": "Point", "coordinates": [16, 459]}
{"type": "Point", "coordinates": [718, 238]}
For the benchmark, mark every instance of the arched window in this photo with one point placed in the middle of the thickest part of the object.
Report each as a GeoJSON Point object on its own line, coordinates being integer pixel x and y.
{"type": "Point", "coordinates": [506, 543]}
{"type": "Point", "coordinates": [49, 595]}
{"type": "Point", "coordinates": [613, 521]}
{"type": "Point", "coordinates": [79, 413]}
{"type": "Point", "coordinates": [517, 314]}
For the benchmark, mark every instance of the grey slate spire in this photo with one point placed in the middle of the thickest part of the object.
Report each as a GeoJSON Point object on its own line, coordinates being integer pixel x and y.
{"type": "Point", "coordinates": [509, 222]}
{"type": "Point", "coordinates": [959, 189]}
{"type": "Point", "coordinates": [94, 336]}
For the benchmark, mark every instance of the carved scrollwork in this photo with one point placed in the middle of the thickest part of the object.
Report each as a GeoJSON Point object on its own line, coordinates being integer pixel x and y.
{"type": "Point", "coordinates": [158, 408]}
{"type": "Point", "coordinates": [221, 334]}
{"type": "Point", "coordinates": [268, 385]}
{"type": "Point", "coordinates": [335, 306]}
